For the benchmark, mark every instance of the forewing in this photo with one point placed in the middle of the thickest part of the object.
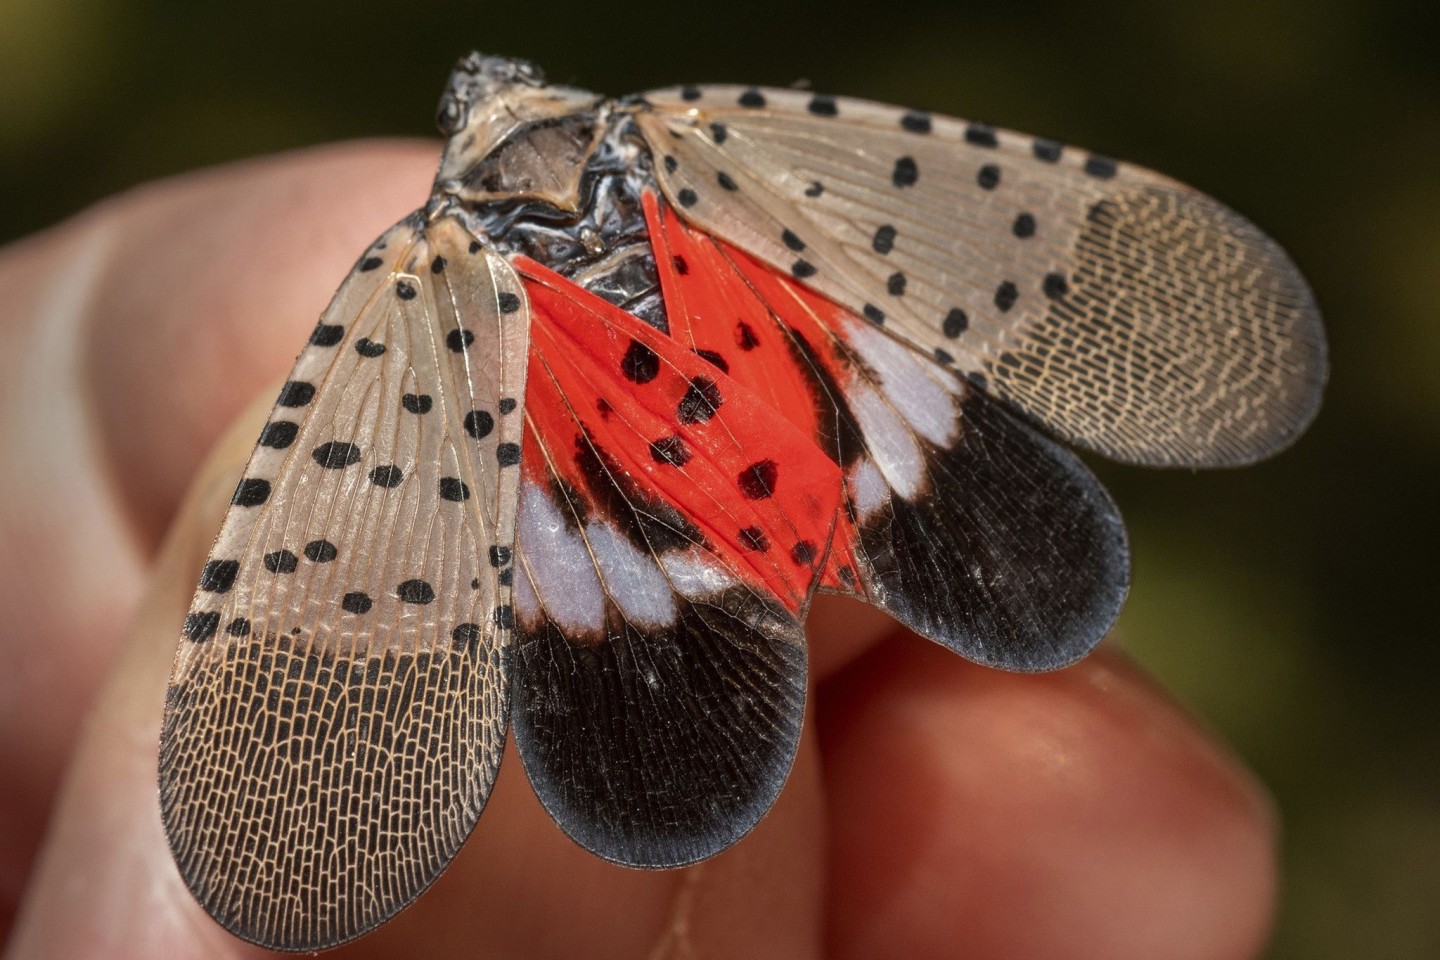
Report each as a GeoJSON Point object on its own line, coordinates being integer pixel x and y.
{"type": "Point", "coordinates": [963, 522]}
{"type": "Point", "coordinates": [338, 706]}
{"type": "Point", "coordinates": [672, 530]}
{"type": "Point", "coordinates": [1123, 311]}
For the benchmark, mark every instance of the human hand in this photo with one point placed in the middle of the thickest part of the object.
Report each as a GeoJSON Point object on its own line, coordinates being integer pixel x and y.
{"type": "Point", "coordinates": [936, 809]}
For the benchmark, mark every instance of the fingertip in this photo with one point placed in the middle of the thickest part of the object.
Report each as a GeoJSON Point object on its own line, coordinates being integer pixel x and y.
{"type": "Point", "coordinates": [1072, 814]}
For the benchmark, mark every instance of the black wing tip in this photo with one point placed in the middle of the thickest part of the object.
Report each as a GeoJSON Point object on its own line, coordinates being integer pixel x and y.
{"type": "Point", "coordinates": [722, 729]}
{"type": "Point", "coordinates": [1043, 555]}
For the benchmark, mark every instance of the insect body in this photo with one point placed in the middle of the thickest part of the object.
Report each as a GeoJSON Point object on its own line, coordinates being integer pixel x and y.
{"type": "Point", "coordinates": [576, 443]}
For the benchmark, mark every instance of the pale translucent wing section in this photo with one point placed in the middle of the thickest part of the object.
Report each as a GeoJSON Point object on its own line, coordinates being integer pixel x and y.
{"type": "Point", "coordinates": [339, 701]}
{"type": "Point", "coordinates": [1124, 311]}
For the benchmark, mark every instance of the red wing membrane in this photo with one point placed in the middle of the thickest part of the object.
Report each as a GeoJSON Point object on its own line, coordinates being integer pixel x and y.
{"type": "Point", "coordinates": [672, 527]}
{"type": "Point", "coordinates": [963, 522]}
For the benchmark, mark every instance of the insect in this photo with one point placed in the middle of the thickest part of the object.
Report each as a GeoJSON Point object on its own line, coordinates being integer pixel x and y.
{"type": "Point", "coordinates": [577, 442]}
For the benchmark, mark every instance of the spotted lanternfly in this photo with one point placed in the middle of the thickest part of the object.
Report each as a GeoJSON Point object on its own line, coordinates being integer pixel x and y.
{"type": "Point", "coordinates": [576, 443]}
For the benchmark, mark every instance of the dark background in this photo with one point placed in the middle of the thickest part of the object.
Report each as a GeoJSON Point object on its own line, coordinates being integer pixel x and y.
{"type": "Point", "coordinates": [1292, 605]}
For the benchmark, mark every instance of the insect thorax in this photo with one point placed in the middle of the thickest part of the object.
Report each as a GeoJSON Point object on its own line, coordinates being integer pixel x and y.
{"type": "Point", "coordinates": [597, 235]}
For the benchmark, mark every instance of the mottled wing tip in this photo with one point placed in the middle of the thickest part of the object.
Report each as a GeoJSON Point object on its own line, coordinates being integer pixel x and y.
{"type": "Point", "coordinates": [1194, 341]}
{"type": "Point", "coordinates": [288, 785]}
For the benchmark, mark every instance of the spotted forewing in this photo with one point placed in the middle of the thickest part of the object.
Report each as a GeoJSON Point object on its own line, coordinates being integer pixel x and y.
{"type": "Point", "coordinates": [576, 445]}
{"type": "Point", "coordinates": [339, 701]}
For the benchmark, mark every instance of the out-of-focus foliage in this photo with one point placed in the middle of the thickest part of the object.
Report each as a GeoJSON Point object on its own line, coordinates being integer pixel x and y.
{"type": "Point", "coordinates": [1292, 605]}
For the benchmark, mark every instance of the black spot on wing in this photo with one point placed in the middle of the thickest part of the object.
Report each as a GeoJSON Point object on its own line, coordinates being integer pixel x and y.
{"type": "Point", "coordinates": [651, 524]}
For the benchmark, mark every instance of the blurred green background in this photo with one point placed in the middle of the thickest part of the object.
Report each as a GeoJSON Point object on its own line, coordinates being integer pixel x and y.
{"type": "Point", "coordinates": [1292, 605]}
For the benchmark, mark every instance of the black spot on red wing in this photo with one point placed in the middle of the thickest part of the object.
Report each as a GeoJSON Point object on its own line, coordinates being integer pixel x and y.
{"type": "Point", "coordinates": [757, 481]}
{"type": "Point", "coordinates": [752, 98]}
{"type": "Point", "coordinates": [387, 476]}
{"type": "Point", "coordinates": [356, 602]}
{"type": "Point", "coordinates": [454, 489]}
{"type": "Point", "coordinates": [681, 267]}
{"type": "Point", "coordinates": [602, 407]}
{"type": "Point", "coordinates": [415, 591]}
{"type": "Point", "coordinates": [507, 454]}
{"type": "Point", "coordinates": [370, 263]}
{"type": "Point", "coordinates": [281, 561]}
{"type": "Point", "coordinates": [327, 335]}
{"type": "Point", "coordinates": [251, 492]}
{"type": "Point", "coordinates": [670, 451]}
{"type": "Point", "coordinates": [416, 403]}
{"type": "Point", "coordinates": [201, 626]}
{"type": "Point", "coordinates": [916, 121]}
{"type": "Point", "coordinates": [640, 364]}
{"type": "Point", "coordinates": [714, 358]}
{"type": "Point", "coordinates": [803, 553]}
{"type": "Point", "coordinates": [980, 135]}
{"type": "Point", "coordinates": [336, 454]}
{"type": "Point", "coordinates": [507, 302]}
{"type": "Point", "coordinates": [745, 337]}
{"type": "Point", "coordinates": [479, 423]}
{"type": "Point", "coordinates": [956, 322]}
{"type": "Point", "coordinates": [457, 340]}
{"type": "Point", "coordinates": [753, 538]}
{"type": "Point", "coordinates": [499, 555]}
{"type": "Point", "coordinates": [218, 576]}
{"type": "Point", "coordinates": [320, 551]}
{"type": "Point", "coordinates": [437, 265]}
{"type": "Point", "coordinates": [466, 637]}
{"type": "Point", "coordinates": [988, 177]}
{"type": "Point", "coordinates": [647, 521]}
{"type": "Point", "coordinates": [239, 627]}
{"type": "Point", "coordinates": [279, 434]}
{"type": "Point", "coordinates": [296, 393]}
{"type": "Point", "coordinates": [906, 172]}
{"type": "Point", "coordinates": [404, 290]}
{"type": "Point", "coordinates": [700, 402]}
{"type": "Point", "coordinates": [369, 348]}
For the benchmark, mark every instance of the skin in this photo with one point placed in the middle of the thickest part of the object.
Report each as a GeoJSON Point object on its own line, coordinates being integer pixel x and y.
{"type": "Point", "coordinates": [936, 808]}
